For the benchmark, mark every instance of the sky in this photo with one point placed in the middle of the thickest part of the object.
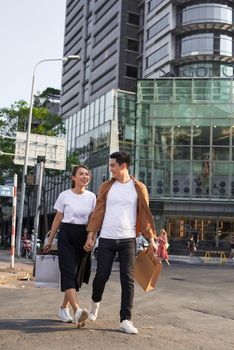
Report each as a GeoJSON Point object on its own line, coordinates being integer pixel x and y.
{"type": "Point", "coordinates": [30, 31]}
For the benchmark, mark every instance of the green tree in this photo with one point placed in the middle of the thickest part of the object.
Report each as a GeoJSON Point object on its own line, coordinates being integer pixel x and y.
{"type": "Point", "coordinates": [15, 119]}
{"type": "Point", "coordinates": [44, 122]}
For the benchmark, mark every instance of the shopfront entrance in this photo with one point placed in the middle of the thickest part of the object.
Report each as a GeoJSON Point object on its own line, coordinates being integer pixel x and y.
{"type": "Point", "coordinates": [208, 228]}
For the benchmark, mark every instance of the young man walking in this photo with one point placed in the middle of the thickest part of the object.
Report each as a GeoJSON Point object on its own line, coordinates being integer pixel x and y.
{"type": "Point", "coordinates": [121, 213]}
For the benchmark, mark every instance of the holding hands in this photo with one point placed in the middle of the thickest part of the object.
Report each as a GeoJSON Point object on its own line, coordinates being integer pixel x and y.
{"type": "Point", "coordinates": [89, 244]}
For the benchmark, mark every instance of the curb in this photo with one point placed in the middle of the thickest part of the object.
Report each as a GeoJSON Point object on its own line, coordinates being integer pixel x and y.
{"type": "Point", "coordinates": [199, 260]}
{"type": "Point", "coordinates": [9, 275]}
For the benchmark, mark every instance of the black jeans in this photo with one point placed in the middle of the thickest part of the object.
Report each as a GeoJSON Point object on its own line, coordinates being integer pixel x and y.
{"type": "Point", "coordinates": [107, 249]}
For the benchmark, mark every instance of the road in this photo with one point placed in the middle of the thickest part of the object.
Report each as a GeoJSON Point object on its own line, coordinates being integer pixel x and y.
{"type": "Point", "coordinates": [192, 308]}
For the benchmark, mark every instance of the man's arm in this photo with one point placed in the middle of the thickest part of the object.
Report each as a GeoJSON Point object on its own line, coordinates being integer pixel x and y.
{"type": "Point", "coordinates": [151, 240]}
{"type": "Point", "coordinates": [90, 241]}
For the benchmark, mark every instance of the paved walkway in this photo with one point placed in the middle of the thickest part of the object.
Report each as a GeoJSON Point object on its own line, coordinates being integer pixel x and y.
{"type": "Point", "coordinates": [24, 267]}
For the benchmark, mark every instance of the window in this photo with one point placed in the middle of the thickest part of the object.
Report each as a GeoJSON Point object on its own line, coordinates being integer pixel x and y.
{"type": "Point", "coordinates": [157, 55]}
{"type": "Point", "coordinates": [158, 27]}
{"type": "Point", "coordinates": [104, 55]}
{"type": "Point", "coordinates": [206, 43]}
{"type": "Point", "coordinates": [207, 13]}
{"type": "Point", "coordinates": [133, 19]}
{"type": "Point", "coordinates": [106, 29]}
{"type": "Point", "coordinates": [104, 8]}
{"type": "Point", "coordinates": [86, 93]}
{"type": "Point", "coordinates": [87, 70]}
{"type": "Point", "coordinates": [103, 80]}
{"type": "Point", "coordinates": [89, 26]}
{"type": "Point", "coordinates": [153, 3]}
{"type": "Point", "coordinates": [197, 44]}
{"type": "Point", "coordinates": [87, 48]}
{"type": "Point", "coordinates": [131, 72]}
{"type": "Point", "coordinates": [132, 45]}
{"type": "Point", "coordinates": [225, 45]}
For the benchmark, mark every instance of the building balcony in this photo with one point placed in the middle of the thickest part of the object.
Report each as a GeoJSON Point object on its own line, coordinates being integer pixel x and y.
{"type": "Point", "coordinates": [203, 58]}
{"type": "Point", "coordinates": [205, 26]}
{"type": "Point", "coordinates": [192, 2]}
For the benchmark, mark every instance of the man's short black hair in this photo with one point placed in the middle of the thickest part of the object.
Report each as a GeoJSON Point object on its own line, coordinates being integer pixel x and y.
{"type": "Point", "coordinates": [121, 157]}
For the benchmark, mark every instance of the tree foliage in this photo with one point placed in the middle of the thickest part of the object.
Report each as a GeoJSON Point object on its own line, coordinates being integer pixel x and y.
{"type": "Point", "coordinates": [15, 119]}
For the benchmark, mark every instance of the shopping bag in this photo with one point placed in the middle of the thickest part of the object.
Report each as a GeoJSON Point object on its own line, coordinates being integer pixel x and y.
{"type": "Point", "coordinates": [147, 269]}
{"type": "Point", "coordinates": [47, 273]}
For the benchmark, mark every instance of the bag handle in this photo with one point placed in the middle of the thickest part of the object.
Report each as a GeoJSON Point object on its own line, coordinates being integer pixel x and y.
{"type": "Point", "coordinates": [42, 257]}
{"type": "Point", "coordinates": [154, 257]}
{"type": "Point", "coordinates": [148, 251]}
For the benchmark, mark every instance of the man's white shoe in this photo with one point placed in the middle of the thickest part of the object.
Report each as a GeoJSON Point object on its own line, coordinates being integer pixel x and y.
{"type": "Point", "coordinates": [81, 315]}
{"type": "Point", "coordinates": [93, 310]}
{"type": "Point", "coordinates": [64, 315]}
{"type": "Point", "coordinates": [127, 326]}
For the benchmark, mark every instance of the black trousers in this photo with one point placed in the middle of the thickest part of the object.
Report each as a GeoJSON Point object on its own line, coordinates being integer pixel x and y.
{"type": "Point", "coordinates": [107, 249]}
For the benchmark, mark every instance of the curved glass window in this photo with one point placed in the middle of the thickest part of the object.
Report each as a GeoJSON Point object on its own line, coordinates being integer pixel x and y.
{"type": "Point", "coordinates": [206, 43]}
{"type": "Point", "coordinates": [225, 45]}
{"type": "Point", "coordinates": [197, 44]}
{"type": "Point", "coordinates": [207, 13]}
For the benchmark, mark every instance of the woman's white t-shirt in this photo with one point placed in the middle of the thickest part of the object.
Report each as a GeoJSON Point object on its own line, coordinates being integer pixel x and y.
{"type": "Point", "coordinates": [121, 212]}
{"type": "Point", "coordinates": [75, 207]}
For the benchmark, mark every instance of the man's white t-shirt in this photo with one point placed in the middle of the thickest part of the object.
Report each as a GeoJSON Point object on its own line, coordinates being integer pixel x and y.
{"type": "Point", "coordinates": [121, 212]}
{"type": "Point", "coordinates": [75, 207]}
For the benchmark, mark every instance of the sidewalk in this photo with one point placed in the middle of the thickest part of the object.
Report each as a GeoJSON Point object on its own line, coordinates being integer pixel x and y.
{"type": "Point", "coordinates": [24, 267]}
{"type": "Point", "coordinates": [200, 260]}
{"type": "Point", "coordinates": [22, 270]}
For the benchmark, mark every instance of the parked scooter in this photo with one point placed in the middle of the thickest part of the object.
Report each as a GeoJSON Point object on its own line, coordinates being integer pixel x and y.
{"type": "Point", "coordinates": [26, 247]}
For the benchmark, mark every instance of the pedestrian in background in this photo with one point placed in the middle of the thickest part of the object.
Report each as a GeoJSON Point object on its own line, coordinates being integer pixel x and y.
{"type": "Point", "coordinates": [191, 245]}
{"type": "Point", "coordinates": [163, 246]}
{"type": "Point", "coordinates": [122, 212]}
{"type": "Point", "coordinates": [232, 248]}
{"type": "Point", "coordinates": [74, 207]}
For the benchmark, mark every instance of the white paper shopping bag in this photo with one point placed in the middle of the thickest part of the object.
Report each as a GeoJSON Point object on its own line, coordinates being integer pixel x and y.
{"type": "Point", "coordinates": [47, 272]}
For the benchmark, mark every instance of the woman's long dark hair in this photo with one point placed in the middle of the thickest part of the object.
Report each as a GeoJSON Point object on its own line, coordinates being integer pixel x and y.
{"type": "Point", "coordinates": [74, 171]}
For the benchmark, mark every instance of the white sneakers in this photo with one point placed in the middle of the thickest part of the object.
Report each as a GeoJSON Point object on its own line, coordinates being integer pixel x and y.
{"type": "Point", "coordinates": [64, 315]}
{"type": "Point", "coordinates": [80, 316]}
{"type": "Point", "coordinates": [127, 326]}
{"type": "Point", "coordinates": [93, 310]}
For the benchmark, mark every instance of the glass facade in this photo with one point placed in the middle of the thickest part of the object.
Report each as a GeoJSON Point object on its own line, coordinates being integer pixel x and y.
{"type": "Point", "coordinates": [104, 126]}
{"type": "Point", "coordinates": [206, 43]}
{"type": "Point", "coordinates": [185, 135]}
{"type": "Point", "coordinates": [211, 12]}
{"type": "Point", "coordinates": [184, 153]}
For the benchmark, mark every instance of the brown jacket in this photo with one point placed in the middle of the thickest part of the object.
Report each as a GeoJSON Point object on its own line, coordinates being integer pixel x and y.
{"type": "Point", "coordinates": [144, 224]}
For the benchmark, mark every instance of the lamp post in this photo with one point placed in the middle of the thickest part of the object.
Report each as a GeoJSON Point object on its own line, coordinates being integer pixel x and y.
{"type": "Point", "coordinates": [23, 185]}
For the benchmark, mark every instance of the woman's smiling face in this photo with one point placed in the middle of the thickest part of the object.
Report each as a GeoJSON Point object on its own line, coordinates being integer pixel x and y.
{"type": "Point", "coordinates": [82, 177]}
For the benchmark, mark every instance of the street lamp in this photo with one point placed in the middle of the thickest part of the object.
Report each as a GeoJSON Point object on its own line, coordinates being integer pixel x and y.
{"type": "Point", "coordinates": [21, 208]}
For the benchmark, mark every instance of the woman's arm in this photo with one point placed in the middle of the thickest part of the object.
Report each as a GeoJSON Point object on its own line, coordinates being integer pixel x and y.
{"type": "Point", "coordinates": [54, 228]}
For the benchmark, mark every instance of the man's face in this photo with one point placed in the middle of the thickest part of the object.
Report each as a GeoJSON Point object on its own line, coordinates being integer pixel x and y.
{"type": "Point", "coordinates": [116, 169]}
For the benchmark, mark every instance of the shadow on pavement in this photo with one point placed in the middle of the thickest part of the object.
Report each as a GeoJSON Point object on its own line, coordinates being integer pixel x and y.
{"type": "Point", "coordinates": [36, 326]}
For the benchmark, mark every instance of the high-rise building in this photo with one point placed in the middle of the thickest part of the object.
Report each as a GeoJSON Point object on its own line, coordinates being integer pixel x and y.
{"type": "Point", "coordinates": [173, 61]}
{"type": "Point", "coordinates": [105, 35]}
{"type": "Point", "coordinates": [188, 38]}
